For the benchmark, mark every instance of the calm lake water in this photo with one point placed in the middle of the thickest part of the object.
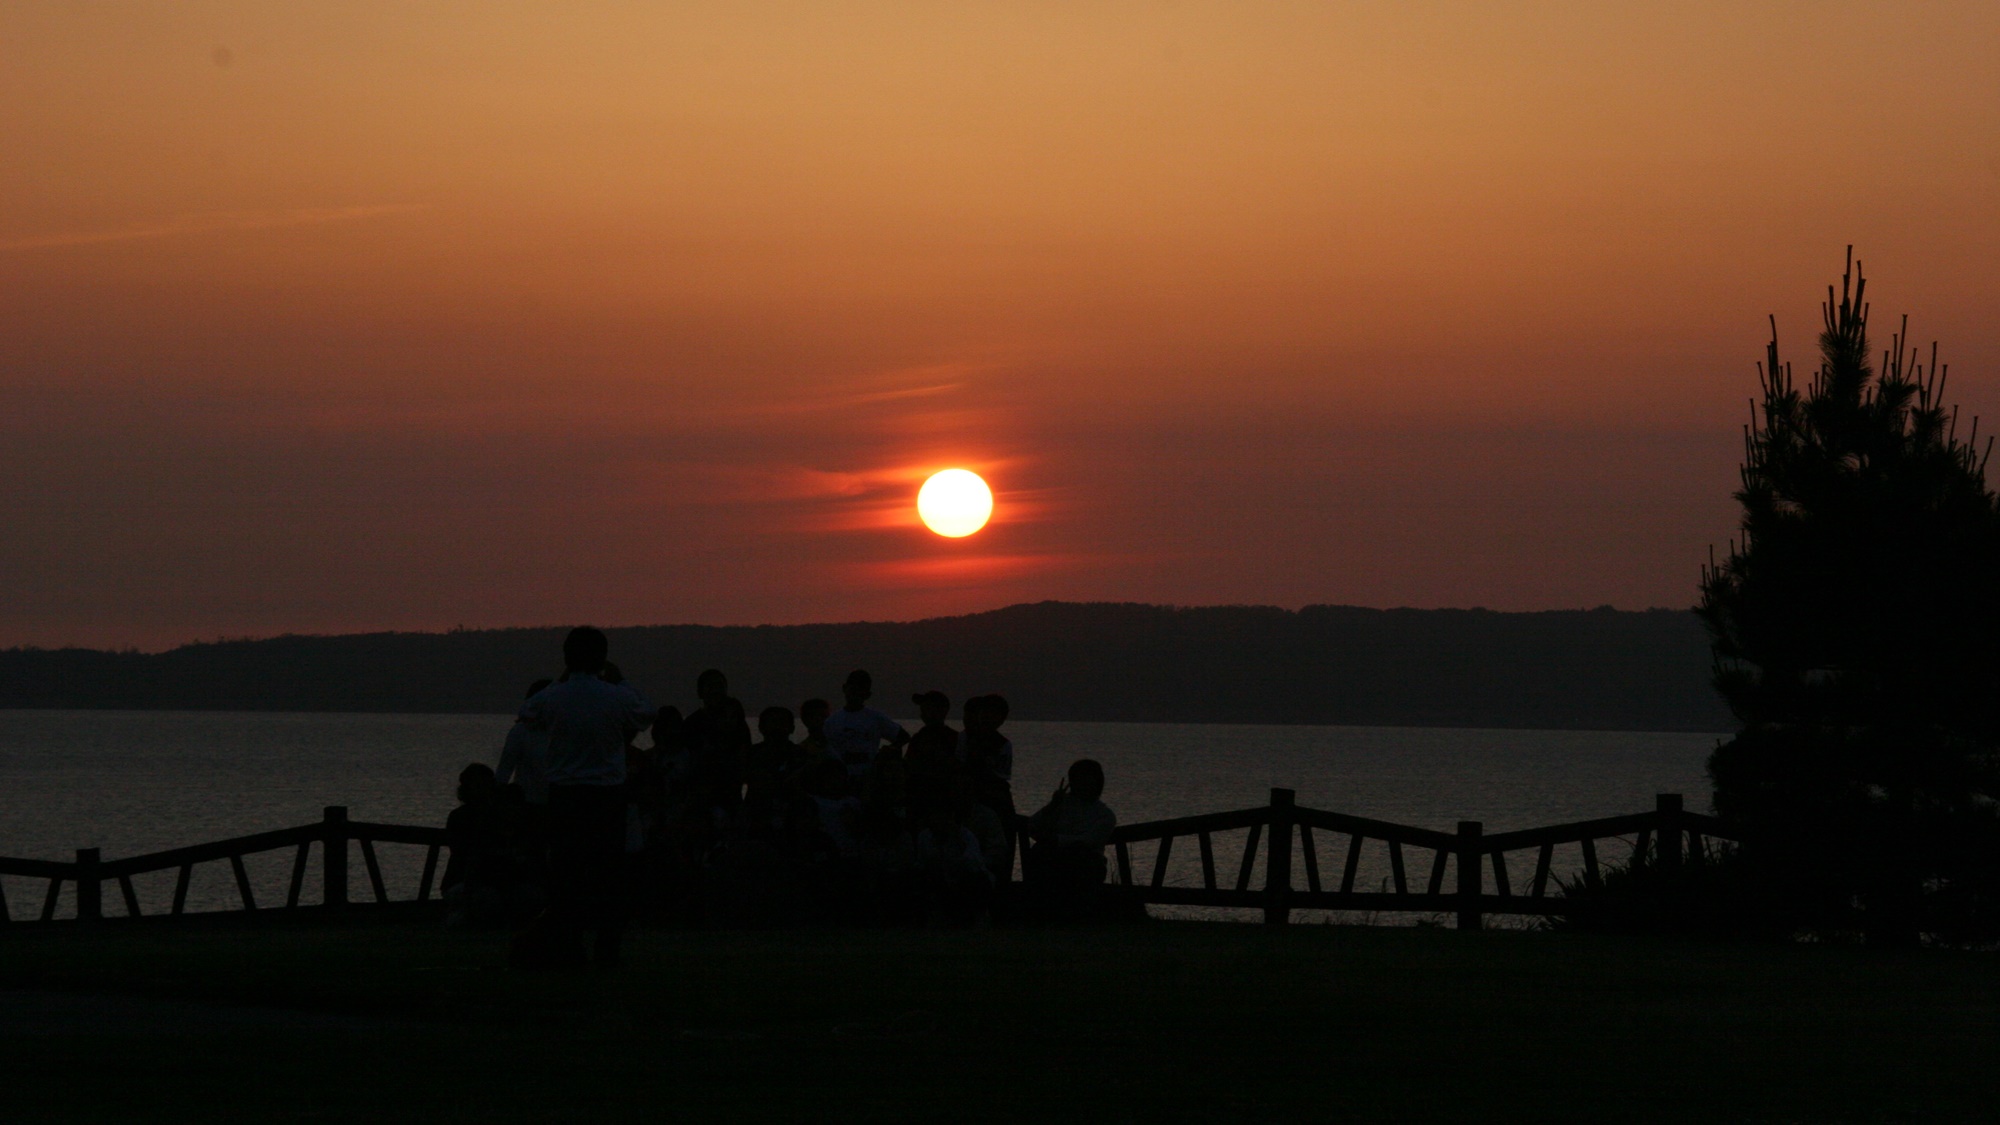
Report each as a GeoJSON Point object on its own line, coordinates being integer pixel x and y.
{"type": "Point", "coordinates": [131, 781]}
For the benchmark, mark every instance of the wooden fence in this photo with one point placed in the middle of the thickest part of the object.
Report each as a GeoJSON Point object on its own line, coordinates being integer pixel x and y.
{"type": "Point", "coordinates": [1286, 831]}
{"type": "Point", "coordinates": [1279, 833]}
{"type": "Point", "coordinates": [89, 872]}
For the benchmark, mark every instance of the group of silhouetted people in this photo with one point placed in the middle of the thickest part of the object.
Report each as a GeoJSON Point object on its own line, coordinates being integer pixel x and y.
{"type": "Point", "coordinates": [859, 821]}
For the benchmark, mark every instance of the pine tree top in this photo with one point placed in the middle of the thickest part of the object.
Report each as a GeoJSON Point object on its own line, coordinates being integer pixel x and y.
{"type": "Point", "coordinates": [1865, 587]}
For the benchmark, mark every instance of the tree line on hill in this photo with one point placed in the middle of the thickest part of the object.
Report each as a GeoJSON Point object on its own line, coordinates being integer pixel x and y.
{"type": "Point", "coordinates": [1600, 669]}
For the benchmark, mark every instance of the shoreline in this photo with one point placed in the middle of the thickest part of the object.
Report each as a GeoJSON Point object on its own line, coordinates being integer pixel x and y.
{"type": "Point", "coordinates": [503, 716]}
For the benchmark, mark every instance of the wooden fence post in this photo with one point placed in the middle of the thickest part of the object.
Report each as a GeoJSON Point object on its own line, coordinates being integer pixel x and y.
{"type": "Point", "coordinates": [333, 857]}
{"type": "Point", "coordinates": [89, 886]}
{"type": "Point", "coordinates": [1278, 860]}
{"type": "Point", "coordinates": [1667, 806]}
{"type": "Point", "coordinates": [1469, 832]}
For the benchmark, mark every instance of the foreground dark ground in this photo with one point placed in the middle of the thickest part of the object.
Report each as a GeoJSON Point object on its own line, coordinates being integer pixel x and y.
{"type": "Point", "coordinates": [1168, 1022]}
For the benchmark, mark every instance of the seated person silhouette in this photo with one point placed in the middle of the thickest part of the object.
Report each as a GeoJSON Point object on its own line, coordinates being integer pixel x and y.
{"type": "Point", "coordinates": [995, 843]}
{"type": "Point", "coordinates": [835, 806]}
{"type": "Point", "coordinates": [1064, 865]}
{"type": "Point", "coordinates": [485, 880]}
{"type": "Point", "coordinates": [951, 863]}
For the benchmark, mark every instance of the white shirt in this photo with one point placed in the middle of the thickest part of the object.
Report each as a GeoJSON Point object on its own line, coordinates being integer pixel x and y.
{"type": "Point", "coordinates": [588, 723]}
{"type": "Point", "coordinates": [525, 759]}
{"type": "Point", "coordinates": [853, 737]}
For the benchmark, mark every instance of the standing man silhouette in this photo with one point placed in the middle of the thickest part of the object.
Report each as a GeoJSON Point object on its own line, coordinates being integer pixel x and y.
{"type": "Point", "coordinates": [588, 722]}
{"type": "Point", "coordinates": [856, 732]}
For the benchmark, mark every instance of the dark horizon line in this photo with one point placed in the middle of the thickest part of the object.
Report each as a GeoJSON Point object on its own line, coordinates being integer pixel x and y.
{"type": "Point", "coordinates": [1164, 606]}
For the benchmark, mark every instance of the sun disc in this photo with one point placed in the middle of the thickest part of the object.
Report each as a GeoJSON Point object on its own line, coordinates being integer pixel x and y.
{"type": "Point", "coordinates": [955, 503]}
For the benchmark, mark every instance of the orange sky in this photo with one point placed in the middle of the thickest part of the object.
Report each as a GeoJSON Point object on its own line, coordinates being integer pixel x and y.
{"type": "Point", "coordinates": [393, 315]}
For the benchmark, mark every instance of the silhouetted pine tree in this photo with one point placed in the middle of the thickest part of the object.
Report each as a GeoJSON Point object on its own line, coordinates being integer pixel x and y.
{"type": "Point", "coordinates": [1856, 629]}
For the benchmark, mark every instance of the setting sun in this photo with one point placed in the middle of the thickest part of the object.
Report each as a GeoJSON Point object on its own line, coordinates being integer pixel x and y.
{"type": "Point", "coordinates": [955, 503]}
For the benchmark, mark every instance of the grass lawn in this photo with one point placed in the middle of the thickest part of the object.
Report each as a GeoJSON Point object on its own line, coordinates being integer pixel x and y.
{"type": "Point", "coordinates": [269, 1020]}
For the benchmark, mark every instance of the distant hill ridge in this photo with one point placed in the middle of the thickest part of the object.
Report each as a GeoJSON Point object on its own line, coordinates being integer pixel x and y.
{"type": "Point", "coordinates": [1598, 669]}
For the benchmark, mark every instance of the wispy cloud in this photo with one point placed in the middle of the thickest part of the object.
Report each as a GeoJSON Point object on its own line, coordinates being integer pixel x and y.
{"type": "Point", "coordinates": [204, 223]}
{"type": "Point", "coordinates": [952, 570]}
{"type": "Point", "coordinates": [719, 483]}
{"type": "Point", "coordinates": [902, 394]}
{"type": "Point", "coordinates": [913, 385]}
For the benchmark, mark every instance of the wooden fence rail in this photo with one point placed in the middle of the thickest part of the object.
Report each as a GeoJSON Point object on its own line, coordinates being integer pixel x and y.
{"type": "Point", "coordinates": [1667, 835]}
{"type": "Point", "coordinates": [1283, 831]}
{"type": "Point", "coordinates": [333, 834]}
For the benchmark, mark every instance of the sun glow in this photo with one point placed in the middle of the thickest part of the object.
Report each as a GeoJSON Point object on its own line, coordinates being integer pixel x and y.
{"type": "Point", "coordinates": [955, 503]}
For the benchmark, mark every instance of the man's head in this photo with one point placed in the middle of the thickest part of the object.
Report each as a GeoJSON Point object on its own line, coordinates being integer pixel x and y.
{"type": "Point", "coordinates": [584, 650]}
{"type": "Point", "coordinates": [813, 713]}
{"type": "Point", "coordinates": [858, 686]}
{"type": "Point", "coordinates": [775, 724]}
{"type": "Point", "coordinates": [711, 686]}
{"type": "Point", "coordinates": [1086, 779]}
{"type": "Point", "coordinates": [932, 706]}
{"type": "Point", "coordinates": [477, 782]}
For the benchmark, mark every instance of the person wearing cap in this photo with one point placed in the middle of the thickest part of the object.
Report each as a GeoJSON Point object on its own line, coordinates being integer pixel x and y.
{"type": "Point", "coordinates": [855, 734]}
